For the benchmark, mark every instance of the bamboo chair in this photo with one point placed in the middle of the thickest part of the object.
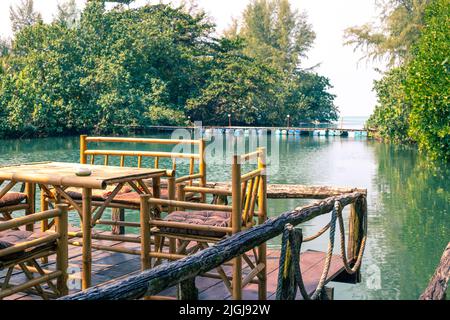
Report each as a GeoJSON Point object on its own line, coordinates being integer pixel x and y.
{"type": "Point", "coordinates": [11, 201]}
{"type": "Point", "coordinates": [20, 249]}
{"type": "Point", "coordinates": [206, 224]}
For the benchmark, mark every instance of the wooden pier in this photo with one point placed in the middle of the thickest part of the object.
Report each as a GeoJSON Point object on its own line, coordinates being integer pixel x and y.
{"type": "Point", "coordinates": [115, 273]}
{"type": "Point", "coordinates": [188, 273]}
{"type": "Point", "coordinates": [112, 266]}
{"type": "Point", "coordinates": [299, 130]}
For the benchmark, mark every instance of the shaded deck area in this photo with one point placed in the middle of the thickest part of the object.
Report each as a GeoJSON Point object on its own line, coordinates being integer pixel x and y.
{"type": "Point", "coordinates": [110, 266]}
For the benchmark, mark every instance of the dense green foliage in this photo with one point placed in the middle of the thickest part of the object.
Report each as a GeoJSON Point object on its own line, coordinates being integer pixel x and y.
{"type": "Point", "coordinates": [413, 98]}
{"type": "Point", "coordinates": [391, 115]}
{"type": "Point", "coordinates": [428, 84]}
{"type": "Point", "coordinates": [107, 70]}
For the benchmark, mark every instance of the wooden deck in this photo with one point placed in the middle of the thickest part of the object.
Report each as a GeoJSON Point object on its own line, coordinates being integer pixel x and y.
{"type": "Point", "coordinates": [109, 266]}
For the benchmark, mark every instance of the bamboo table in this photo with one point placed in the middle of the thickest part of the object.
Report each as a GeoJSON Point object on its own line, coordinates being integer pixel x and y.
{"type": "Point", "coordinates": [61, 175]}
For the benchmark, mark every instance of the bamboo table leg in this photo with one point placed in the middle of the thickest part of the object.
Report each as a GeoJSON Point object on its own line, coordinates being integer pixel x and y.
{"type": "Point", "coordinates": [156, 185]}
{"type": "Point", "coordinates": [87, 239]}
{"type": "Point", "coordinates": [30, 190]}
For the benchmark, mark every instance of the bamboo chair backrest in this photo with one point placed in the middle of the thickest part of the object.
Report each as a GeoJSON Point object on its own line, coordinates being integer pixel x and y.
{"type": "Point", "coordinates": [249, 189]}
{"type": "Point", "coordinates": [85, 152]}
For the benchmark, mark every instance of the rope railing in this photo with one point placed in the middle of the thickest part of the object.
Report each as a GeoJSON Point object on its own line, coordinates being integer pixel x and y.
{"type": "Point", "coordinates": [290, 275]}
{"type": "Point", "coordinates": [153, 281]}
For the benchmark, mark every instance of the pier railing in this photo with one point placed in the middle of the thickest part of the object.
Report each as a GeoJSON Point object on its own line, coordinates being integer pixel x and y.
{"type": "Point", "coordinates": [153, 281]}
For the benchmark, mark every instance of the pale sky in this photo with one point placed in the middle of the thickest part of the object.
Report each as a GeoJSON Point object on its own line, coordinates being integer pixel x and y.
{"type": "Point", "coordinates": [352, 79]}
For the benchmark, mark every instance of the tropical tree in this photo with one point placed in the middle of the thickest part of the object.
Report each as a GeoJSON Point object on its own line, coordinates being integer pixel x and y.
{"type": "Point", "coordinates": [392, 38]}
{"type": "Point", "coordinates": [23, 15]}
{"type": "Point", "coordinates": [428, 83]}
{"type": "Point", "coordinates": [238, 85]}
{"type": "Point", "coordinates": [307, 98]}
{"type": "Point", "coordinates": [67, 13]}
{"type": "Point", "coordinates": [275, 33]}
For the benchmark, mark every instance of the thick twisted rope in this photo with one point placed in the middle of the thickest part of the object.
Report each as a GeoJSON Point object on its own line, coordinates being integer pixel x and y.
{"type": "Point", "coordinates": [326, 268]}
{"type": "Point", "coordinates": [290, 253]}
{"type": "Point", "coordinates": [362, 245]}
{"type": "Point", "coordinates": [318, 234]}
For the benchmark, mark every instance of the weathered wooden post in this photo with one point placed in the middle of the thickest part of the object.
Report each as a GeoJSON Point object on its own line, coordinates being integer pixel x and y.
{"type": "Point", "coordinates": [287, 285]}
{"type": "Point", "coordinates": [187, 290]}
{"type": "Point", "coordinates": [202, 167]}
{"type": "Point", "coordinates": [358, 212]}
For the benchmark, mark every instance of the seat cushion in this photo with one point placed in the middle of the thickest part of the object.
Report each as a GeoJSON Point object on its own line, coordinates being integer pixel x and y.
{"type": "Point", "coordinates": [12, 198]}
{"type": "Point", "coordinates": [205, 218]}
{"type": "Point", "coordinates": [11, 238]}
{"type": "Point", "coordinates": [134, 197]}
{"type": "Point", "coordinates": [97, 194]}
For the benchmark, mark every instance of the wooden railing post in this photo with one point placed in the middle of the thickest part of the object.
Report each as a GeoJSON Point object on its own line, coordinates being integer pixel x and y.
{"type": "Point", "coordinates": [286, 284]}
{"type": "Point", "coordinates": [187, 290]}
{"type": "Point", "coordinates": [236, 223]}
{"type": "Point", "coordinates": [83, 148]}
{"type": "Point", "coordinates": [202, 167]}
{"type": "Point", "coordinates": [358, 212]}
{"type": "Point", "coordinates": [262, 217]}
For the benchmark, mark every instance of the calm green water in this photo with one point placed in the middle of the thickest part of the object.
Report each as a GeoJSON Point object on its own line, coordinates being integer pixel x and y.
{"type": "Point", "coordinates": [408, 202]}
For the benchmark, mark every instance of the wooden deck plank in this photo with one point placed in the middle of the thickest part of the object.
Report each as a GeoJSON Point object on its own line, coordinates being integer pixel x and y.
{"type": "Point", "coordinates": [219, 291]}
